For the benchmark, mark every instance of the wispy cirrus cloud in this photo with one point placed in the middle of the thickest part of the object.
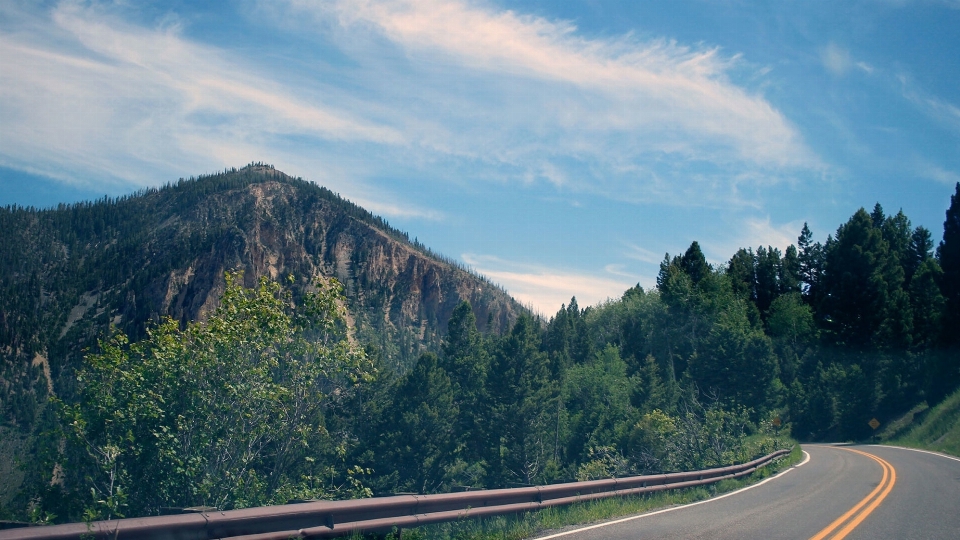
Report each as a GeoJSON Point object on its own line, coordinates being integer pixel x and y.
{"type": "Point", "coordinates": [754, 232]}
{"type": "Point", "coordinates": [89, 94]}
{"type": "Point", "coordinates": [641, 254]}
{"type": "Point", "coordinates": [836, 59]}
{"type": "Point", "coordinates": [471, 92]}
{"type": "Point", "coordinates": [630, 119]}
{"type": "Point", "coordinates": [926, 169]}
{"type": "Point", "coordinates": [937, 109]}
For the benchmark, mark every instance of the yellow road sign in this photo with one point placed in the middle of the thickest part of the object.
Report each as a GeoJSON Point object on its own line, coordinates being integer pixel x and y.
{"type": "Point", "coordinates": [874, 423]}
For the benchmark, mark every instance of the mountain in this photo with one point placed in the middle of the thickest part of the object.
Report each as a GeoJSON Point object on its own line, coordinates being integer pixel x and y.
{"type": "Point", "coordinates": [69, 274]}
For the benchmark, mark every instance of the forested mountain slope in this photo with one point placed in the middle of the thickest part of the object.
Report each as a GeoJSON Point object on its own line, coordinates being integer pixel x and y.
{"type": "Point", "coordinates": [70, 273]}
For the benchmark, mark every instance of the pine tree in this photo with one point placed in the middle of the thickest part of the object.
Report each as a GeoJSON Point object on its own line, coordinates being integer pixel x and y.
{"type": "Point", "coordinates": [424, 418]}
{"type": "Point", "coordinates": [695, 264]}
{"type": "Point", "coordinates": [877, 216]}
{"type": "Point", "coordinates": [862, 285]}
{"type": "Point", "coordinates": [768, 274]}
{"type": "Point", "coordinates": [524, 403]}
{"type": "Point", "coordinates": [948, 255]}
{"type": "Point", "coordinates": [742, 273]}
{"type": "Point", "coordinates": [927, 302]}
{"type": "Point", "coordinates": [897, 233]}
{"type": "Point", "coordinates": [790, 271]}
{"type": "Point", "coordinates": [466, 362]}
{"type": "Point", "coordinates": [920, 249]}
{"type": "Point", "coordinates": [650, 391]}
{"type": "Point", "coordinates": [811, 265]}
{"type": "Point", "coordinates": [736, 362]}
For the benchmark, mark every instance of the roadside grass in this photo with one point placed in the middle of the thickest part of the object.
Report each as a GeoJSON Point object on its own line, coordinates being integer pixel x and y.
{"type": "Point", "coordinates": [938, 429]}
{"type": "Point", "coordinates": [542, 522]}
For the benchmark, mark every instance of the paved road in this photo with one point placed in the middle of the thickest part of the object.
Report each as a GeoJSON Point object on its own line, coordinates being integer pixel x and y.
{"type": "Point", "coordinates": [890, 493]}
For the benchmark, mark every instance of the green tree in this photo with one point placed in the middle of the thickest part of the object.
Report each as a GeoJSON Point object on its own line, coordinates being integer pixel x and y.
{"type": "Point", "coordinates": [927, 303]}
{"type": "Point", "coordinates": [423, 431]}
{"type": "Point", "coordinates": [466, 362]}
{"type": "Point", "coordinates": [694, 264]}
{"type": "Point", "coordinates": [862, 280]}
{"type": "Point", "coordinates": [948, 255]}
{"type": "Point", "coordinates": [523, 420]}
{"type": "Point", "coordinates": [811, 262]}
{"type": "Point", "coordinates": [597, 397]}
{"type": "Point", "coordinates": [790, 271]}
{"type": "Point", "coordinates": [692, 305]}
{"type": "Point", "coordinates": [650, 392]}
{"type": "Point", "coordinates": [743, 274]}
{"type": "Point", "coordinates": [921, 249]}
{"type": "Point", "coordinates": [736, 363]}
{"type": "Point", "coordinates": [793, 331]}
{"type": "Point", "coordinates": [769, 268]}
{"type": "Point", "coordinates": [567, 339]}
{"type": "Point", "coordinates": [226, 413]}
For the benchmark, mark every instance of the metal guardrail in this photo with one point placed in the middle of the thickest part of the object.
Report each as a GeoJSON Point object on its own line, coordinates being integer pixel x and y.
{"type": "Point", "coordinates": [326, 519]}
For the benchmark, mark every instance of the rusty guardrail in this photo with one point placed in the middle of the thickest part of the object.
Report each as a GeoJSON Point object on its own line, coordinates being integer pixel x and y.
{"type": "Point", "coordinates": [326, 519]}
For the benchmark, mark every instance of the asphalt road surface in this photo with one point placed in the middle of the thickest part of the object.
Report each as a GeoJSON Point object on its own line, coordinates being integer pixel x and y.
{"type": "Point", "coordinates": [851, 492]}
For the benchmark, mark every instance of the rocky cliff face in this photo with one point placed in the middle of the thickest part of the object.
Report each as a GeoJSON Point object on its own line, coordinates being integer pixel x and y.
{"type": "Point", "coordinates": [68, 274]}
{"type": "Point", "coordinates": [399, 296]}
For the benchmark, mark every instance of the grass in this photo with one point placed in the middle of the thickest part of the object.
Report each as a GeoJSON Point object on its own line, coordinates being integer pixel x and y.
{"type": "Point", "coordinates": [551, 519]}
{"type": "Point", "coordinates": [938, 429]}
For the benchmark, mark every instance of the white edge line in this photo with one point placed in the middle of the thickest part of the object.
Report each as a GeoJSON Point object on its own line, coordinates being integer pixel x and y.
{"type": "Point", "coordinates": [671, 509]}
{"type": "Point", "coordinates": [916, 450]}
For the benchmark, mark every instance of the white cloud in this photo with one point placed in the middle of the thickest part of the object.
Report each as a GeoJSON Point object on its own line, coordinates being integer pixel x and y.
{"type": "Point", "coordinates": [638, 253]}
{"type": "Point", "coordinates": [754, 232]}
{"type": "Point", "coordinates": [935, 108]}
{"type": "Point", "coordinates": [667, 86]}
{"type": "Point", "coordinates": [538, 102]}
{"type": "Point", "coordinates": [836, 59]}
{"type": "Point", "coordinates": [449, 91]}
{"type": "Point", "coordinates": [88, 94]}
{"type": "Point", "coordinates": [546, 289]}
{"type": "Point", "coordinates": [867, 68]}
{"type": "Point", "coordinates": [400, 211]}
{"type": "Point", "coordinates": [761, 232]}
{"type": "Point", "coordinates": [937, 173]}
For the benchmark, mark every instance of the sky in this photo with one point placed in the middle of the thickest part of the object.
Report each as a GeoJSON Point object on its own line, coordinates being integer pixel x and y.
{"type": "Point", "coordinates": [559, 148]}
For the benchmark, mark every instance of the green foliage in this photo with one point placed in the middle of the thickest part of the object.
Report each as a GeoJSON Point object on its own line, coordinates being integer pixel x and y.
{"type": "Point", "coordinates": [596, 400]}
{"type": "Point", "coordinates": [523, 416]}
{"type": "Point", "coordinates": [939, 428]}
{"type": "Point", "coordinates": [793, 331]}
{"type": "Point", "coordinates": [948, 255]}
{"type": "Point", "coordinates": [736, 362]}
{"type": "Point", "coordinates": [226, 413]}
{"type": "Point", "coordinates": [424, 421]}
{"type": "Point", "coordinates": [862, 283]}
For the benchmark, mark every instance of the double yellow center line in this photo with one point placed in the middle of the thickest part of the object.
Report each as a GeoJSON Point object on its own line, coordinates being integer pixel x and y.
{"type": "Point", "coordinates": [858, 513]}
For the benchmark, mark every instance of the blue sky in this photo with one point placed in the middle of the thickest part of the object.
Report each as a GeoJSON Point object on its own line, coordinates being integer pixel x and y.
{"type": "Point", "coordinates": [560, 148]}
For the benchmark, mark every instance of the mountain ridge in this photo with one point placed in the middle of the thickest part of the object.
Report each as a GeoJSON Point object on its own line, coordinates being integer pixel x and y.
{"type": "Point", "coordinates": [73, 272]}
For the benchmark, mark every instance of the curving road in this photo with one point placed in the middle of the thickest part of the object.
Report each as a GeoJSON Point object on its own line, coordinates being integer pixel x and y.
{"type": "Point", "coordinates": [850, 492]}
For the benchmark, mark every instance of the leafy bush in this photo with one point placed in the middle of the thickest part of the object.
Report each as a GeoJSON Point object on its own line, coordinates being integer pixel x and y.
{"type": "Point", "coordinates": [226, 413]}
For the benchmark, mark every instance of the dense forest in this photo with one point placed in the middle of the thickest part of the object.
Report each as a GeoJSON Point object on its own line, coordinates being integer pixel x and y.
{"type": "Point", "coordinates": [822, 337]}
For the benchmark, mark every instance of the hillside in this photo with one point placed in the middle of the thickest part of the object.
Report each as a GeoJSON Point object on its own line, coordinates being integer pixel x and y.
{"type": "Point", "coordinates": [70, 273]}
{"type": "Point", "coordinates": [932, 428]}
